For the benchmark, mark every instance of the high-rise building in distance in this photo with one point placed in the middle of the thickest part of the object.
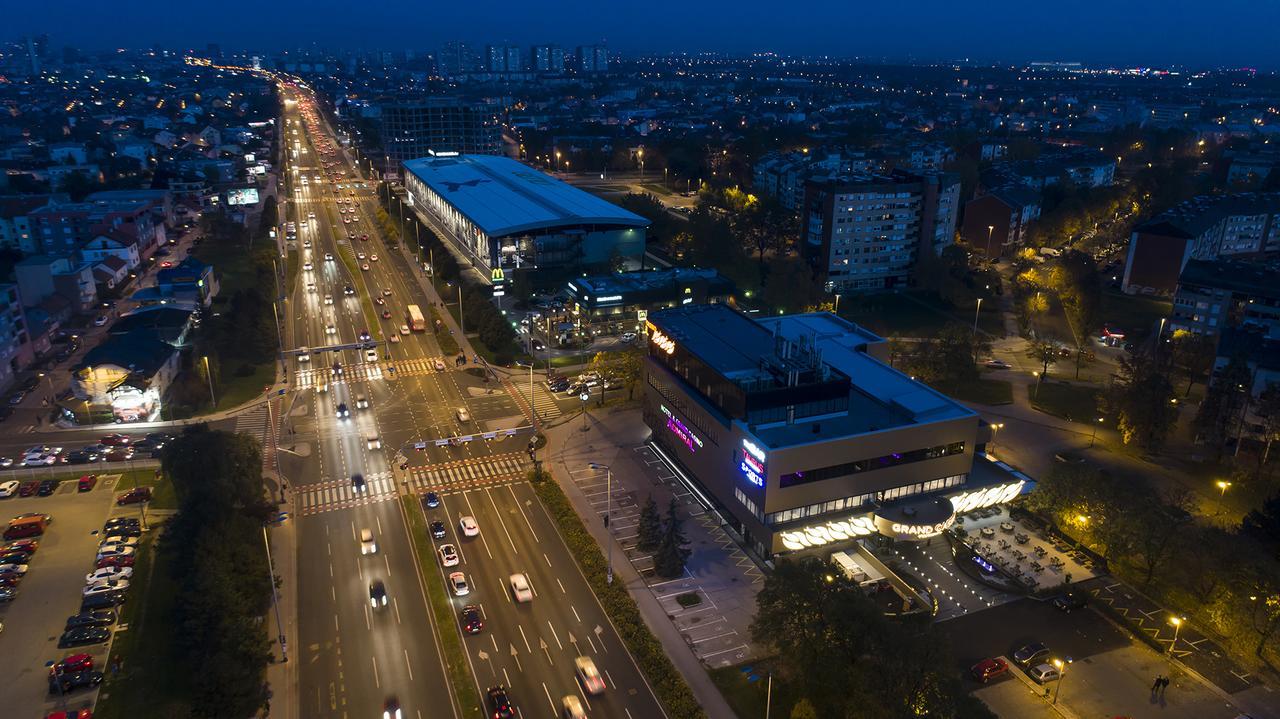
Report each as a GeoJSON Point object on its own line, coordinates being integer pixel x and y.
{"type": "Point", "coordinates": [412, 128]}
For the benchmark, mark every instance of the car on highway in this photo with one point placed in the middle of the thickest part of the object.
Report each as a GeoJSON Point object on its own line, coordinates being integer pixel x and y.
{"type": "Point", "coordinates": [365, 336]}
{"type": "Point", "coordinates": [988, 669]}
{"type": "Point", "coordinates": [100, 320]}
{"type": "Point", "coordinates": [83, 637]}
{"type": "Point", "coordinates": [470, 619]}
{"type": "Point", "coordinates": [367, 543]}
{"type": "Point", "coordinates": [394, 339]}
{"type": "Point", "coordinates": [1044, 673]}
{"type": "Point", "coordinates": [371, 355]}
{"type": "Point", "coordinates": [379, 301]}
{"type": "Point", "coordinates": [328, 299]}
{"type": "Point", "coordinates": [93, 618]}
{"type": "Point", "coordinates": [1028, 654]}
{"type": "Point", "coordinates": [365, 266]}
{"type": "Point", "coordinates": [373, 257]}
{"type": "Point", "coordinates": [386, 291]}
{"type": "Point", "coordinates": [468, 525]}
{"type": "Point", "coordinates": [386, 314]}
{"type": "Point", "coordinates": [571, 707]}
{"type": "Point", "coordinates": [307, 266]}
{"type": "Point", "coordinates": [115, 439]}
{"type": "Point", "coordinates": [64, 683]}
{"type": "Point", "coordinates": [358, 484]}
{"type": "Point", "coordinates": [520, 588]}
{"type": "Point", "coordinates": [330, 330]}
{"type": "Point", "coordinates": [364, 238]}
{"type": "Point", "coordinates": [9, 488]}
{"type": "Point", "coordinates": [500, 706]}
{"type": "Point", "coordinates": [391, 709]}
{"type": "Point", "coordinates": [118, 454]}
{"type": "Point", "coordinates": [628, 337]}
{"type": "Point", "coordinates": [328, 257]}
{"type": "Point", "coordinates": [588, 675]}
{"type": "Point", "coordinates": [341, 411]}
{"type": "Point", "coordinates": [377, 594]}
{"type": "Point", "coordinates": [448, 555]}
{"type": "Point", "coordinates": [439, 365]}
{"type": "Point", "coordinates": [458, 583]}
{"type": "Point", "coordinates": [462, 414]}
{"type": "Point", "coordinates": [349, 291]}
{"type": "Point", "coordinates": [74, 713]}
{"type": "Point", "coordinates": [82, 456]}
{"type": "Point", "coordinates": [431, 501]}
{"type": "Point", "coordinates": [135, 496]}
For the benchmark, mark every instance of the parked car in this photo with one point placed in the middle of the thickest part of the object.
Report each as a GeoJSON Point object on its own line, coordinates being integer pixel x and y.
{"type": "Point", "coordinates": [86, 482]}
{"type": "Point", "coordinates": [119, 560]}
{"type": "Point", "coordinates": [1071, 601]}
{"type": "Point", "coordinates": [988, 669]}
{"type": "Point", "coordinates": [47, 487]}
{"type": "Point", "coordinates": [997, 364]}
{"type": "Point", "coordinates": [83, 636]}
{"type": "Point", "coordinates": [135, 496]}
{"type": "Point", "coordinates": [105, 600]}
{"type": "Point", "coordinates": [1025, 656]}
{"type": "Point", "coordinates": [106, 586]}
{"type": "Point", "coordinates": [73, 663]}
{"type": "Point", "coordinates": [9, 488]}
{"type": "Point", "coordinates": [107, 573]}
{"type": "Point", "coordinates": [1044, 673]}
{"type": "Point", "coordinates": [63, 683]}
{"type": "Point", "coordinates": [94, 618]}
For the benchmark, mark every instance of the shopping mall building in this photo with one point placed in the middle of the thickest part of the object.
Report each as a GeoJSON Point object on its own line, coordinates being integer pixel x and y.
{"type": "Point", "coordinates": [799, 433]}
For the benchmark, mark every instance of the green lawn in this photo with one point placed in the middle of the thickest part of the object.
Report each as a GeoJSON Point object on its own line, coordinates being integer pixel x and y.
{"type": "Point", "coordinates": [163, 495]}
{"type": "Point", "coordinates": [1136, 315]}
{"type": "Point", "coordinates": [464, 685]}
{"type": "Point", "coordinates": [746, 687]}
{"type": "Point", "coordinates": [657, 189]}
{"type": "Point", "coordinates": [149, 683]}
{"type": "Point", "coordinates": [914, 314]}
{"type": "Point", "coordinates": [980, 391]}
{"type": "Point", "coordinates": [233, 390]}
{"type": "Point", "coordinates": [1077, 403]}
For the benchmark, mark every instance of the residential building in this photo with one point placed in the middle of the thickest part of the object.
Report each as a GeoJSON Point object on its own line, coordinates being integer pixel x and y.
{"type": "Point", "coordinates": [118, 242]}
{"type": "Point", "coordinates": [415, 128]}
{"type": "Point", "coordinates": [802, 437]}
{"type": "Point", "coordinates": [548, 58]}
{"type": "Point", "coordinates": [1239, 226]}
{"type": "Point", "coordinates": [13, 334]}
{"type": "Point", "coordinates": [15, 223]}
{"type": "Point", "coordinates": [42, 277]}
{"type": "Point", "coordinates": [997, 222]}
{"type": "Point", "coordinates": [127, 375]}
{"type": "Point", "coordinates": [1215, 295]}
{"type": "Point", "coordinates": [592, 58]}
{"type": "Point", "coordinates": [783, 174]}
{"type": "Point", "coordinates": [502, 216]}
{"type": "Point", "coordinates": [865, 232]}
{"type": "Point", "coordinates": [62, 228]}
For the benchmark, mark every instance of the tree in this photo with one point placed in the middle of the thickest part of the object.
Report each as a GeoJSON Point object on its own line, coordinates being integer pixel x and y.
{"type": "Point", "coordinates": [78, 185]}
{"type": "Point", "coordinates": [1219, 417]}
{"type": "Point", "coordinates": [673, 552]}
{"type": "Point", "coordinates": [1158, 529]}
{"type": "Point", "coordinates": [1268, 411]}
{"type": "Point", "coordinates": [649, 527]}
{"type": "Point", "coordinates": [1194, 354]}
{"type": "Point", "coordinates": [803, 709]}
{"type": "Point", "coordinates": [1046, 353]}
{"type": "Point", "coordinates": [1263, 524]}
{"type": "Point", "coordinates": [1143, 400]}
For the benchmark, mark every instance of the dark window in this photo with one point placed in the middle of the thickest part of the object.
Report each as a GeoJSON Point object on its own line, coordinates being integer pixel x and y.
{"type": "Point", "coordinates": [866, 465]}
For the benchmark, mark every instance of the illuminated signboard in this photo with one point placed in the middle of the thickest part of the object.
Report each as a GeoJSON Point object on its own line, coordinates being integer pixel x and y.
{"type": "Point", "coordinates": [660, 339]}
{"type": "Point", "coordinates": [678, 428]}
{"type": "Point", "coordinates": [827, 532]}
{"type": "Point", "coordinates": [752, 465]}
{"type": "Point", "coordinates": [900, 530]}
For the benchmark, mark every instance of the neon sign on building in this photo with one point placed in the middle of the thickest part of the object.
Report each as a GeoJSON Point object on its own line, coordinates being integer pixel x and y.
{"type": "Point", "coordinates": [752, 465]}
{"type": "Point", "coordinates": [660, 339]}
{"type": "Point", "coordinates": [678, 428]}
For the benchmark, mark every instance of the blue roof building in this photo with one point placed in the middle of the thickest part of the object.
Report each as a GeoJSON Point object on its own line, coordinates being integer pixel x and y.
{"type": "Point", "coordinates": [502, 215]}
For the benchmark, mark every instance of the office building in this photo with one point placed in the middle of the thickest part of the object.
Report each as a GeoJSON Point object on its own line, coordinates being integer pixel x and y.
{"type": "Point", "coordinates": [1243, 226]}
{"type": "Point", "coordinates": [621, 301]}
{"type": "Point", "coordinates": [415, 128]}
{"type": "Point", "coordinates": [502, 216]}
{"type": "Point", "coordinates": [865, 232]}
{"type": "Point", "coordinates": [800, 435]}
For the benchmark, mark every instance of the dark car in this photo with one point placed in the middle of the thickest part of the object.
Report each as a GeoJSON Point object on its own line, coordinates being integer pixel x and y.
{"type": "Point", "coordinates": [82, 456]}
{"type": "Point", "coordinates": [537, 345]}
{"type": "Point", "coordinates": [15, 558]}
{"type": "Point", "coordinates": [22, 545]}
{"type": "Point", "coordinates": [63, 683]}
{"type": "Point", "coordinates": [500, 704]}
{"type": "Point", "coordinates": [105, 600]}
{"type": "Point", "coordinates": [10, 581]}
{"type": "Point", "coordinates": [26, 489]}
{"type": "Point", "coordinates": [122, 530]}
{"type": "Point", "coordinates": [432, 500]}
{"type": "Point", "coordinates": [1028, 655]}
{"type": "Point", "coordinates": [30, 383]}
{"type": "Point", "coordinates": [988, 669]}
{"type": "Point", "coordinates": [471, 621]}
{"type": "Point", "coordinates": [47, 487]}
{"type": "Point", "coordinates": [83, 636]}
{"type": "Point", "coordinates": [118, 454]}
{"type": "Point", "coordinates": [377, 594]}
{"type": "Point", "coordinates": [1070, 601]}
{"type": "Point", "coordinates": [115, 560]}
{"type": "Point", "coordinates": [357, 483]}
{"type": "Point", "coordinates": [437, 529]}
{"type": "Point", "coordinates": [94, 618]}
{"type": "Point", "coordinates": [73, 663]}
{"type": "Point", "coordinates": [111, 524]}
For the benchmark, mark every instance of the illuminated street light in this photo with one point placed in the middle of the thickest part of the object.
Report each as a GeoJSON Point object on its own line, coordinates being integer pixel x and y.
{"type": "Point", "coordinates": [1094, 435]}
{"type": "Point", "coordinates": [1177, 625]}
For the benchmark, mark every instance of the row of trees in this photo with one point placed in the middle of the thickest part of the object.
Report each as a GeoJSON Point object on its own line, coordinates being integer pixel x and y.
{"type": "Point", "coordinates": [946, 359]}
{"type": "Point", "coordinates": [664, 538]}
{"type": "Point", "coordinates": [216, 556]}
{"type": "Point", "coordinates": [844, 658]}
{"type": "Point", "coordinates": [1228, 579]}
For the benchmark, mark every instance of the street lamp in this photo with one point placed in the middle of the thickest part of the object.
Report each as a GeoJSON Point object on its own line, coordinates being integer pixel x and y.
{"type": "Point", "coordinates": [990, 229]}
{"type": "Point", "coordinates": [532, 409]}
{"type": "Point", "coordinates": [1036, 392]}
{"type": "Point", "coordinates": [976, 312]}
{"type": "Point", "coordinates": [585, 396]}
{"type": "Point", "coordinates": [1094, 436]}
{"type": "Point", "coordinates": [1222, 486]}
{"type": "Point", "coordinates": [608, 509]}
{"type": "Point", "coordinates": [1177, 625]}
{"type": "Point", "coordinates": [995, 427]}
{"type": "Point", "coordinates": [1061, 666]}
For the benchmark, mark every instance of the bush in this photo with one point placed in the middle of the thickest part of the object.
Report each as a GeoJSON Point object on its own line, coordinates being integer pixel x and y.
{"type": "Point", "coordinates": [649, 653]}
{"type": "Point", "coordinates": [245, 370]}
{"type": "Point", "coordinates": [688, 599]}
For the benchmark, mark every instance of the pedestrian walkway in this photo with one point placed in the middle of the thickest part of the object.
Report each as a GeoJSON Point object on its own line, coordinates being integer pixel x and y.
{"type": "Point", "coordinates": [543, 402]}
{"type": "Point", "coordinates": [363, 371]}
{"type": "Point", "coordinates": [340, 494]}
{"type": "Point", "coordinates": [469, 473]}
{"type": "Point", "coordinates": [254, 423]}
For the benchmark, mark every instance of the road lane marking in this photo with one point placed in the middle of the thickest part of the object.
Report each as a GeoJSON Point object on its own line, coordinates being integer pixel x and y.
{"type": "Point", "coordinates": [501, 521]}
{"type": "Point", "coordinates": [562, 591]}
{"type": "Point", "coordinates": [466, 498]}
{"type": "Point", "coordinates": [408, 664]}
{"type": "Point", "coordinates": [376, 681]}
{"type": "Point", "coordinates": [516, 500]}
{"type": "Point", "coordinates": [575, 613]}
{"type": "Point", "coordinates": [554, 635]}
{"type": "Point", "coordinates": [526, 639]}
{"type": "Point", "coordinates": [548, 693]}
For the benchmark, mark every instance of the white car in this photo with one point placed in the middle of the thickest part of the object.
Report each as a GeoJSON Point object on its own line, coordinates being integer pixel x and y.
{"type": "Point", "coordinates": [373, 258]}
{"type": "Point", "coordinates": [312, 215]}
{"type": "Point", "coordinates": [107, 587]}
{"type": "Point", "coordinates": [114, 551]}
{"type": "Point", "coordinates": [458, 582]}
{"type": "Point", "coordinates": [100, 320]}
{"type": "Point", "coordinates": [448, 555]}
{"type": "Point", "coordinates": [439, 365]}
{"type": "Point", "coordinates": [359, 255]}
{"type": "Point", "coordinates": [394, 339]}
{"type": "Point", "coordinates": [328, 256]}
{"type": "Point", "coordinates": [386, 292]}
{"type": "Point", "coordinates": [304, 355]}
{"type": "Point", "coordinates": [997, 364]}
{"type": "Point", "coordinates": [8, 489]}
{"type": "Point", "coordinates": [589, 675]}
{"type": "Point", "coordinates": [462, 414]}
{"type": "Point", "coordinates": [572, 707]}
{"type": "Point", "coordinates": [120, 540]}
{"type": "Point", "coordinates": [468, 525]}
{"type": "Point", "coordinates": [520, 588]}
{"type": "Point", "coordinates": [106, 573]}
{"type": "Point", "coordinates": [13, 568]}
{"type": "Point", "coordinates": [404, 329]}
{"type": "Point", "coordinates": [365, 267]}
{"type": "Point", "coordinates": [1044, 673]}
{"type": "Point", "coordinates": [307, 266]}
{"type": "Point", "coordinates": [330, 330]}
{"type": "Point", "coordinates": [41, 458]}
{"type": "Point", "coordinates": [628, 337]}
{"type": "Point", "coordinates": [371, 355]}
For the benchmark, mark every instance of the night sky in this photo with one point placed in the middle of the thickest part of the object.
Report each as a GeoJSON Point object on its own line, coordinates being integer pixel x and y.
{"type": "Point", "coordinates": [1225, 33]}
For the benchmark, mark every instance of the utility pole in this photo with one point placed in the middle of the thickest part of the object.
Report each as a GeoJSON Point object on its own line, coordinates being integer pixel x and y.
{"type": "Point", "coordinates": [608, 509]}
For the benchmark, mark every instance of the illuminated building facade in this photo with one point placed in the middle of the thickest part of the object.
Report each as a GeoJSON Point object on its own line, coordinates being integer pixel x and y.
{"type": "Point", "coordinates": [801, 435]}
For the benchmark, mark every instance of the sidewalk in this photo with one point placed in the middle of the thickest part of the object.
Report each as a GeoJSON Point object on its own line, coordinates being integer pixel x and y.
{"type": "Point", "coordinates": [608, 438]}
{"type": "Point", "coordinates": [283, 676]}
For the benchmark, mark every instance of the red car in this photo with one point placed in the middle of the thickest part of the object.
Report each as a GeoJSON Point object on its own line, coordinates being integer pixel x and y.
{"type": "Point", "coordinates": [134, 496]}
{"type": "Point", "coordinates": [988, 669]}
{"type": "Point", "coordinates": [72, 714]}
{"type": "Point", "coordinates": [86, 482]}
{"type": "Point", "coordinates": [115, 560]}
{"type": "Point", "coordinates": [26, 489]}
{"type": "Point", "coordinates": [115, 439]}
{"type": "Point", "coordinates": [21, 545]}
{"type": "Point", "coordinates": [118, 454]}
{"type": "Point", "coordinates": [364, 238]}
{"type": "Point", "coordinates": [73, 663]}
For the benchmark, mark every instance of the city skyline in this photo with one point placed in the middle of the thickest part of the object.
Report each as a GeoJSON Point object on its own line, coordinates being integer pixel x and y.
{"type": "Point", "coordinates": [1179, 35]}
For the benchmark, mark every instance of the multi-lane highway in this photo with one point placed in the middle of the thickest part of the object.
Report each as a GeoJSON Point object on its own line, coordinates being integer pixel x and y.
{"type": "Point", "coordinates": [355, 656]}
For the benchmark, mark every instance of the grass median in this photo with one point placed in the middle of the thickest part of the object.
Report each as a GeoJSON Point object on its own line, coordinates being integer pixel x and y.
{"type": "Point", "coordinates": [649, 653]}
{"type": "Point", "coordinates": [455, 655]}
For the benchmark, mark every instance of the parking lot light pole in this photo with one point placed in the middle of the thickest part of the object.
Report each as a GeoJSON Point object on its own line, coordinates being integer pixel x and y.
{"type": "Point", "coordinates": [1061, 666]}
{"type": "Point", "coordinates": [608, 509]}
{"type": "Point", "coordinates": [1094, 436]}
{"type": "Point", "coordinates": [1177, 625]}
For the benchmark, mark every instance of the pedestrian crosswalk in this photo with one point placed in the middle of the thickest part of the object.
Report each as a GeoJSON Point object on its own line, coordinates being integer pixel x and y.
{"type": "Point", "coordinates": [468, 473]}
{"type": "Point", "coordinates": [341, 494]}
{"type": "Point", "coordinates": [254, 423]}
{"type": "Point", "coordinates": [362, 371]}
{"type": "Point", "coordinates": [543, 403]}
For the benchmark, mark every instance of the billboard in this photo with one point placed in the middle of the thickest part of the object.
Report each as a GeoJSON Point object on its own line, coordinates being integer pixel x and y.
{"type": "Point", "coordinates": [243, 196]}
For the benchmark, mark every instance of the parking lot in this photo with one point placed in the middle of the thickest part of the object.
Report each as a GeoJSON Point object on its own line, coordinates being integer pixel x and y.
{"type": "Point", "coordinates": [51, 591]}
